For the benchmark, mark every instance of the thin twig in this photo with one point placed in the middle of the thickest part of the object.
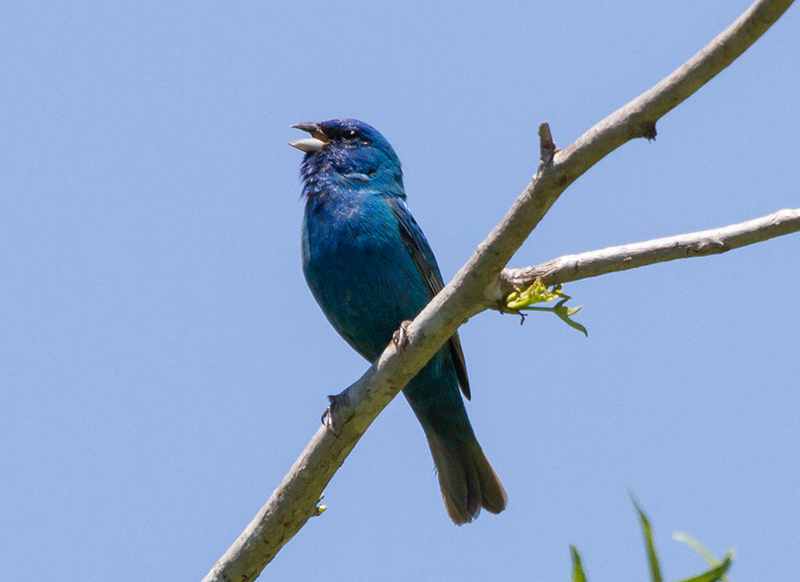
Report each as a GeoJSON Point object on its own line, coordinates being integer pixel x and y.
{"type": "Point", "coordinates": [624, 257]}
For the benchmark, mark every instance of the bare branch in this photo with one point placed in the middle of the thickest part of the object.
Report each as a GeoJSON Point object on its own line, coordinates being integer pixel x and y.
{"type": "Point", "coordinates": [291, 505]}
{"type": "Point", "coordinates": [547, 148]}
{"type": "Point", "coordinates": [624, 257]}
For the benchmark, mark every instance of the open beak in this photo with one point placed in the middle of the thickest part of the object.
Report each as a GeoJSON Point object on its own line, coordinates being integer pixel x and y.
{"type": "Point", "coordinates": [315, 143]}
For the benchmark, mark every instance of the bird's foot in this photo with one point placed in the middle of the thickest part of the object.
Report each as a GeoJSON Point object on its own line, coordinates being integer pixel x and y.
{"type": "Point", "coordinates": [400, 337]}
{"type": "Point", "coordinates": [331, 417]}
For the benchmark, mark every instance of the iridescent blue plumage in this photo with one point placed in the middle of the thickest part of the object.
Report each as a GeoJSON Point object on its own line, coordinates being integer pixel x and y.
{"type": "Point", "coordinates": [370, 268]}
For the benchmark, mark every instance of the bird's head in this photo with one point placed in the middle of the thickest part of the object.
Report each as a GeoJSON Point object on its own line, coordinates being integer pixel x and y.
{"type": "Point", "coordinates": [347, 151]}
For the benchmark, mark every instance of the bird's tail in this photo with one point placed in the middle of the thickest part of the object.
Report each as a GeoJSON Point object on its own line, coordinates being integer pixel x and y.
{"type": "Point", "coordinates": [466, 478]}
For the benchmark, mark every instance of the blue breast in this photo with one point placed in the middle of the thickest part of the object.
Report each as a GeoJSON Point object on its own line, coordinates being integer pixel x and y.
{"type": "Point", "coordinates": [358, 268]}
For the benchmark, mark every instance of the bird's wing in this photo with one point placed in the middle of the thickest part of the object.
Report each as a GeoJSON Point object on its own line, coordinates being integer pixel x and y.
{"type": "Point", "coordinates": [420, 251]}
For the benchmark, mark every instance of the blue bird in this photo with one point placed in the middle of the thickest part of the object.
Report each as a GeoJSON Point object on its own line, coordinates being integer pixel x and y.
{"type": "Point", "coordinates": [370, 268]}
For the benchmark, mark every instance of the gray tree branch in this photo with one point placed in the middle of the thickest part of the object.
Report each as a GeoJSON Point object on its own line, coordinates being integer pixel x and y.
{"type": "Point", "coordinates": [470, 292]}
{"type": "Point", "coordinates": [621, 258]}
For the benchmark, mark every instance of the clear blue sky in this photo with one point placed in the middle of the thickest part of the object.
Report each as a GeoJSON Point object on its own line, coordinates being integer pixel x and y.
{"type": "Point", "coordinates": [162, 362]}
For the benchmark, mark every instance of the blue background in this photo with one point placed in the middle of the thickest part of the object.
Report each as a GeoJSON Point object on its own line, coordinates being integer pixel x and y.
{"type": "Point", "coordinates": [162, 362]}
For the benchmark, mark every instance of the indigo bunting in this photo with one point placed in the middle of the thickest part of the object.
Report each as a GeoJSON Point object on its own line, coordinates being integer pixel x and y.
{"type": "Point", "coordinates": [370, 268]}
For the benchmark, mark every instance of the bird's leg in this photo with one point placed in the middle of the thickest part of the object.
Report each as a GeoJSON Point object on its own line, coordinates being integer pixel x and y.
{"type": "Point", "coordinates": [331, 418]}
{"type": "Point", "coordinates": [400, 337]}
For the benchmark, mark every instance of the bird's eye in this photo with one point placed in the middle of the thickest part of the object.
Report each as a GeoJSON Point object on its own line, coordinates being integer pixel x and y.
{"type": "Point", "coordinates": [350, 135]}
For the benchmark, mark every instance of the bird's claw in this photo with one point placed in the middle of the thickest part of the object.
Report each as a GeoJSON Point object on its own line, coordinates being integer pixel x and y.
{"type": "Point", "coordinates": [400, 337]}
{"type": "Point", "coordinates": [331, 417]}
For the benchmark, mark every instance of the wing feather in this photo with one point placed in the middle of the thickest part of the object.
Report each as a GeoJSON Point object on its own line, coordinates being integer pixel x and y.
{"type": "Point", "coordinates": [422, 255]}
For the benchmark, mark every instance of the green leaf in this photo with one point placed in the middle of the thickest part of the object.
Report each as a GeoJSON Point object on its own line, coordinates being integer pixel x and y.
{"type": "Point", "coordinates": [565, 312]}
{"type": "Point", "coordinates": [577, 568]}
{"type": "Point", "coordinates": [655, 569]}
{"type": "Point", "coordinates": [538, 293]}
{"type": "Point", "coordinates": [714, 574]}
{"type": "Point", "coordinates": [696, 546]}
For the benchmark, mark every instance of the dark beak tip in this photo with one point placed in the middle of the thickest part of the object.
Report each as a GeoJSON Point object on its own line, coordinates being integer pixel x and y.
{"type": "Point", "coordinates": [307, 127]}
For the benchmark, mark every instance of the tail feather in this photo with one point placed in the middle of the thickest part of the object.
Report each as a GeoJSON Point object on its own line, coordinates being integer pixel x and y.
{"type": "Point", "coordinates": [466, 479]}
{"type": "Point", "coordinates": [493, 495]}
